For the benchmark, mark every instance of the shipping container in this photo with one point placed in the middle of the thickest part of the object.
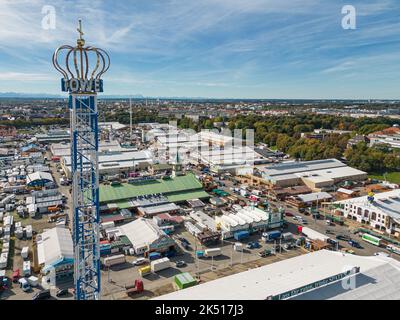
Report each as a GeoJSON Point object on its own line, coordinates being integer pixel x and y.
{"type": "Point", "coordinates": [144, 270]}
{"type": "Point", "coordinates": [287, 236]}
{"type": "Point", "coordinates": [114, 260]}
{"type": "Point", "coordinates": [160, 264]}
{"type": "Point", "coordinates": [241, 235]}
{"type": "Point", "coordinates": [212, 252]}
{"type": "Point", "coordinates": [26, 268]}
{"type": "Point", "coordinates": [238, 246]}
{"type": "Point", "coordinates": [33, 281]}
{"type": "Point", "coordinates": [271, 235]}
{"type": "Point", "coordinates": [25, 252]}
{"type": "Point", "coordinates": [371, 239]}
{"type": "Point", "coordinates": [184, 280]}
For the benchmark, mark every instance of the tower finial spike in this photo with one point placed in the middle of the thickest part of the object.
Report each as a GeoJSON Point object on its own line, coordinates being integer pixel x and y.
{"type": "Point", "coordinates": [80, 41]}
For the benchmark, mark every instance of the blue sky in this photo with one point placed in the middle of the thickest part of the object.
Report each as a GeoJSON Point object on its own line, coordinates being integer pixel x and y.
{"type": "Point", "coordinates": [212, 48]}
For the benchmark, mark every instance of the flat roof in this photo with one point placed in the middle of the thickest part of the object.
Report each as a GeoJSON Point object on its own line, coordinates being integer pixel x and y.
{"type": "Point", "coordinates": [125, 191]}
{"type": "Point", "coordinates": [280, 277]}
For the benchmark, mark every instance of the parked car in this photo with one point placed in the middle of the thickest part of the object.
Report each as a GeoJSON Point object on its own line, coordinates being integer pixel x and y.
{"type": "Point", "coordinates": [62, 293]}
{"type": "Point", "coordinates": [329, 232]}
{"type": "Point", "coordinates": [42, 295]}
{"type": "Point", "coordinates": [139, 261]}
{"type": "Point", "coordinates": [288, 214]}
{"type": "Point", "coordinates": [354, 244]}
{"type": "Point", "coordinates": [265, 253]}
{"type": "Point", "coordinates": [253, 245]}
{"type": "Point", "coordinates": [180, 264]}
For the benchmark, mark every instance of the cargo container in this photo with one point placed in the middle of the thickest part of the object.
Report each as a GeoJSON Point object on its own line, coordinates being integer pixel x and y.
{"type": "Point", "coordinates": [287, 236]}
{"type": "Point", "coordinates": [114, 260]}
{"type": "Point", "coordinates": [25, 253]}
{"type": "Point", "coordinates": [143, 271]}
{"type": "Point", "coordinates": [33, 281]}
{"type": "Point", "coordinates": [154, 255]}
{"type": "Point", "coordinates": [393, 249]}
{"type": "Point", "coordinates": [160, 264]}
{"type": "Point", "coordinates": [184, 280]}
{"type": "Point", "coordinates": [271, 235]}
{"type": "Point", "coordinates": [3, 260]}
{"type": "Point", "coordinates": [199, 254]}
{"type": "Point", "coordinates": [212, 252]}
{"type": "Point", "coordinates": [26, 269]}
{"type": "Point", "coordinates": [241, 235]}
{"type": "Point", "coordinates": [371, 239]}
{"type": "Point", "coordinates": [28, 231]}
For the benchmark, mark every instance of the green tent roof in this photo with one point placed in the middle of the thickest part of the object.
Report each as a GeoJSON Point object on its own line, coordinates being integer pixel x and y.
{"type": "Point", "coordinates": [173, 186]}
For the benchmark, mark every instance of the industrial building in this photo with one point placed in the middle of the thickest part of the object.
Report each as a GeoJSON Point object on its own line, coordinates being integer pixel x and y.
{"type": "Point", "coordinates": [318, 275]}
{"type": "Point", "coordinates": [318, 175]}
{"type": "Point", "coordinates": [39, 179]}
{"type": "Point", "coordinates": [382, 211]}
{"type": "Point", "coordinates": [309, 199]}
{"type": "Point", "coordinates": [250, 219]}
{"type": "Point", "coordinates": [53, 136]}
{"type": "Point", "coordinates": [146, 237]}
{"type": "Point", "coordinates": [389, 136]}
{"type": "Point", "coordinates": [55, 252]}
{"type": "Point", "coordinates": [115, 163]}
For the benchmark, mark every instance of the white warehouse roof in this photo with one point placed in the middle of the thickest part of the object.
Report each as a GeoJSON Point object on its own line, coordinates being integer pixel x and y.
{"type": "Point", "coordinates": [54, 246]}
{"type": "Point", "coordinates": [141, 232]}
{"type": "Point", "coordinates": [283, 276]}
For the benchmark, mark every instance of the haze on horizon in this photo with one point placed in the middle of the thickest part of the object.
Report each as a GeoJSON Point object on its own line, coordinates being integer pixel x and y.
{"type": "Point", "coordinates": [268, 49]}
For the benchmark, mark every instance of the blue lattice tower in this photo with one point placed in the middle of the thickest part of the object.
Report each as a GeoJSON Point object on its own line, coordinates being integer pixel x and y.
{"type": "Point", "coordinates": [83, 86]}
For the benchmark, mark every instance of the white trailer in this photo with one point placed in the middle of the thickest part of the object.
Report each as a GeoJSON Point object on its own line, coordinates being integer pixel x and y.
{"type": "Point", "coordinates": [114, 260]}
{"type": "Point", "coordinates": [160, 264]}
{"type": "Point", "coordinates": [33, 281]}
{"type": "Point", "coordinates": [25, 253]}
{"type": "Point", "coordinates": [212, 252]}
{"type": "Point", "coordinates": [26, 268]}
{"type": "Point", "coordinates": [3, 260]}
{"type": "Point", "coordinates": [238, 246]}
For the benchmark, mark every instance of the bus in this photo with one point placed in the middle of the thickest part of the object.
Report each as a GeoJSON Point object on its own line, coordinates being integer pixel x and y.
{"type": "Point", "coordinates": [371, 239]}
{"type": "Point", "coordinates": [393, 249]}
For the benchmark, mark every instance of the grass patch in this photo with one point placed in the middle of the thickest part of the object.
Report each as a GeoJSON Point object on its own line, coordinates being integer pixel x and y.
{"type": "Point", "coordinates": [393, 177]}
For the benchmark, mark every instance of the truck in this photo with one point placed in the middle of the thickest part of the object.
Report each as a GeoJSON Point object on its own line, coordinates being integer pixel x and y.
{"type": "Point", "coordinates": [371, 239]}
{"type": "Point", "coordinates": [212, 252]}
{"type": "Point", "coordinates": [24, 285]}
{"type": "Point", "coordinates": [271, 235]}
{"type": "Point", "coordinates": [160, 264]}
{"type": "Point", "coordinates": [241, 235]}
{"type": "Point", "coordinates": [136, 288]}
{"type": "Point", "coordinates": [114, 260]}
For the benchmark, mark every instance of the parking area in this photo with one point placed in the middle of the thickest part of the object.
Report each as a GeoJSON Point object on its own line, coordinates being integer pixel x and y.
{"type": "Point", "coordinates": [230, 261]}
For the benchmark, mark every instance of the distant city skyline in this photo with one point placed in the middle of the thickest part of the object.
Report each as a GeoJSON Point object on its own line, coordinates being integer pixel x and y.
{"type": "Point", "coordinates": [259, 49]}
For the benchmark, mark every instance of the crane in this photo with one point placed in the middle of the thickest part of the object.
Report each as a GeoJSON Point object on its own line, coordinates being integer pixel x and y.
{"type": "Point", "coordinates": [82, 70]}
